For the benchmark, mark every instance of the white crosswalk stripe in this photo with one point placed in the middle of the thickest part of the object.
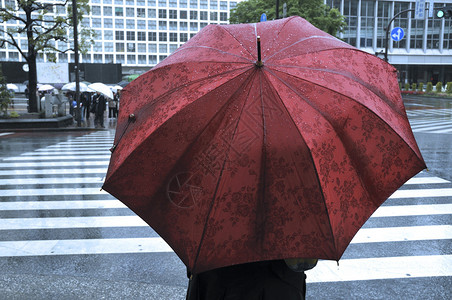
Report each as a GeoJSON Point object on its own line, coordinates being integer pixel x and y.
{"type": "Point", "coordinates": [431, 120]}
{"type": "Point", "coordinates": [79, 171]}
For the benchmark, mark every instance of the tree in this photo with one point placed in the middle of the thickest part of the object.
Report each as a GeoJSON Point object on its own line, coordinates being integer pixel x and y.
{"type": "Point", "coordinates": [318, 14]}
{"type": "Point", "coordinates": [43, 24]}
{"type": "Point", "coordinates": [5, 95]}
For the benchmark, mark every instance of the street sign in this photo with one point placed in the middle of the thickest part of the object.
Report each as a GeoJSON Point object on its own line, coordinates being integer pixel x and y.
{"type": "Point", "coordinates": [419, 9]}
{"type": "Point", "coordinates": [263, 17]}
{"type": "Point", "coordinates": [397, 34]}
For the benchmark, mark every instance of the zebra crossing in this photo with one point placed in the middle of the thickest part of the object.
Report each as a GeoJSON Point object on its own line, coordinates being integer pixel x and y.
{"type": "Point", "coordinates": [431, 120]}
{"type": "Point", "coordinates": [57, 189]}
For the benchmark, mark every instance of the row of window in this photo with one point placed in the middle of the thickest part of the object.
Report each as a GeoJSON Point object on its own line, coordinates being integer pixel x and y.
{"type": "Point", "coordinates": [141, 12]}
{"type": "Point", "coordinates": [213, 4]}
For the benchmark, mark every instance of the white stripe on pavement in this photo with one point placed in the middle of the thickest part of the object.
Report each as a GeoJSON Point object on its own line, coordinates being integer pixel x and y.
{"type": "Point", "coordinates": [52, 171]}
{"type": "Point", "coordinates": [6, 133]}
{"type": "Point", "coordinates": [49, 180]}
{"type": "Point", "coordinates": [381, 268]}
{"type": "Point", "coordinates": [53, 192]}
{"type": "Point", "coordinates": [67, 205]}
{"type": "Point", "coordinates": [426, 180]}
{"type": "Point", "coordinates": [53, 164]}
{"type": "Point", "coordinates": [422, 193]}
{"type": "Point", "coordinates": [68, 152]}
{"type": "Point", "coordinates": [402, 234]}
{"type": "Point", "coordinates": [88, 246]}
{"type": "Point", "coordinates": [71, 222]}
{"type": "Point", "coordinates": [413, 210]}
{"type": "Point", "coordinates": [57, 157]}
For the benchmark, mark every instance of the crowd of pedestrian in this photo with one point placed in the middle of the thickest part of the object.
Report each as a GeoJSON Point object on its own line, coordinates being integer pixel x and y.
{"type": "Point", "coordinates": [95, 104]}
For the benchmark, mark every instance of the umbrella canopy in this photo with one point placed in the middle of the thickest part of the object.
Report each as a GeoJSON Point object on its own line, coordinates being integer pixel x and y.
{"type": "Point", "coordinates": [115, 88]}
{"type": "Point", "coordinates": [71, 87]}
{"type": "Point", "coordinates": [236, 156]}
{"type": "Point", "coordinates": [45, 87]}
{"type": "Point", "coordinates": [12, 87]}
{"type": "Point", "coordinates": [101, 88]}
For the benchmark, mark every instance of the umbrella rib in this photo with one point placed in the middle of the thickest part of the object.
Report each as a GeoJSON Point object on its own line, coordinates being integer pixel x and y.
{"type": "Point", "coordinates": [349, 75]}
{"type": "Point", "coordinates": [233, 36]}
{"type": "Point", "coordinates": [385, 99]}
{"type": "Point", "coordinates": [221, 172]}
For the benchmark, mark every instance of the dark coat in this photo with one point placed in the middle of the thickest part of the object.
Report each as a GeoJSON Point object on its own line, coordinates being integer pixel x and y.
{"type": "Point", "coordinates": [99, 104]}
{"type": "Point", "coordinates": [268, 280]}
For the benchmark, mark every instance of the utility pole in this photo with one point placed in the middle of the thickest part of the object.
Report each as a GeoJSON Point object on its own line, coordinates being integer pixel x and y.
{"type": "Point", "coordinates": [387, 31]}
{"type": "Point", "coordinates": [77, 76]}
{"type": "Point", "coordinates": [277, 10]}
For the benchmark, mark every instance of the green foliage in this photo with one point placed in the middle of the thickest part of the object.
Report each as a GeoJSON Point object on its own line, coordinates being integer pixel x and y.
{"type": "Point", "coordinates": [5, 95]}
{"type": "Point", "coordinates": [407, 86]}
{"type": "Point", "coordinates": [429, 87]}
{"type": "Point", "coordinates": [449, 87]}
{"type": "Point", "coordinates": [439, 87]}
{"type": "Point", "coordinates": [400, 85]}
{"type": "Point", "coordinates": [13, 114]}
{"type": "Point", "coordinates": [314, 11]}
{"type": "Point", "coordinates": [421, 86]}
{"type": "Point", "coordinates": [413, 86]}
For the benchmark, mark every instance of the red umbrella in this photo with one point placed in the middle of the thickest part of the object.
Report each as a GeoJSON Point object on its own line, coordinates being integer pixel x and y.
{"type": "Point", "coordinates": [235, 159]}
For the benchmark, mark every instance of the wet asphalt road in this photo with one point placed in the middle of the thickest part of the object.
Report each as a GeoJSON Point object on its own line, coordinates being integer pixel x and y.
{"type": "Point", "coordinates": [413, 265]}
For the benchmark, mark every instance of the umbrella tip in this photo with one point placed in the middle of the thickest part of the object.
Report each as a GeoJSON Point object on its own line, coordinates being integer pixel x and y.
{"type": "Point", "coordinates": [259, 62]}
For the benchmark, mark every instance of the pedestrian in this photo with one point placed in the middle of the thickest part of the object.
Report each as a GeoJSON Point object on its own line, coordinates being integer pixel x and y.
{"type": "Point", "coordinates": [98, 108]}
{"type": "Point", "coordinates": [263, 280]}
{"type": "Point", "coordinates": [85, 103]}
{"type": "Point", "coordinates": [112, 107]}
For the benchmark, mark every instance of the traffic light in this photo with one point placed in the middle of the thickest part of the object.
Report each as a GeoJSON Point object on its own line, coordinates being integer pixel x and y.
{"type": "Point", "coordinates": [445, 12]}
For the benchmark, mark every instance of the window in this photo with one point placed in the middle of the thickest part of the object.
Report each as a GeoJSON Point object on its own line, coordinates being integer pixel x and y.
{"type": "Point", "coordinates": [203, 4]}
{"type": "Point", "coordinates": [130, 35]}
{"type": "Point", "coordinates": [183, 25]}
{"type": "Point", "coordinates": [119, 23]}
{"type": "Point", "coordinates": [173, 14]}
{"type": "Point", "coordinates": [97, 46]}
{"type": "Point", "coordinates": [183, 3]}
{"type": "Point", "coordinates": [95, 10]}
{"type": "Point", "coordinates": [141, 47]}
{"type": "Point", "coordinates": [162, 57]}
{"type": "Point", "coordinates": [172, 48]}
{"type": "Point", "coordinates": [108, 11]}
{"type": "Point", "coordinates": [108, 23]}
{"type": "Point", "coordinates": [131, 59]}
{"type": "Point", "coordinates": [203, 15]}
{"type": "Point", "coordinates": [62, 57]}
{"type": "Point", "coordinates": [130, 23]}
{"type": "Point", "coordinates": [130, 47]}
{"type": "Point", "coordinates": [152, 59]}
{"type": "Point", "coordinates": [141, 24]}
{"type": "Point", "coordinates": [172, 3]}
{"type": "Point", "coordinates": [350, 14]}
{"type": "Point", "coordinates": [183, 37]}
{"type": "Point", "coordinates": [193, 15]}
{"type": "Point", "coordinates": [120, 2]}
{"type": "Point", "coordinates": [183, 14]}
{"type": "Point", "coordinates": [163, 37]}
{"type": "Point", "coordinates": [142, 59]}
{"type": "Point", "coordinates": [193, 3]}
{"type": "Point", "coordinates": [97, 22]}
{"type": "Point", "coordinates": [130, 12]}
{"type": "Point", "coordinates": [162, 3]}
{"type": "Point", "coordinates": [213, 4]}
{"type": "Point", "coordinates": [108, 35]}
{"type": "Point", "coordinates": [141, 2]}
{"type": "Point", "coordinates": [213, 16]}
{"type": "Point", "coordinates": [130, 2]}
{"type": "Point", "coordinates": [162, 25]}
{"type": "Point", "coordinates": [400, 21]}
{"type": "Point", "coordinates": [172, 25]}
{"type": "Point", "coordinates": [152, 25]}
{"type": "Point", "coordinates": [193, 26]}
{"type": "Point", "coordinates": [223, 16]}
{"type": "Point", "coordinates": [152, 48]}
{"type": "Point", "coordinates": [151, 13]}
{"type": "Point", "coordinates": [152, 36]}
{"type": "Point", "coordinates": [119, 35]}
{"type": "Point", "coordinates": [108, 58]}
{"type": "Point", "coordinates": [141, 36]}
{"type": "Point", "coordinates": [163, 48]}
{"type": "Point", "coordinates": [108, 47]}
{"type": "Point", "coordinates": [162, 13]}
{"type": "Point", "coordinates": [141, 12]}
{"type": "Point", "coordinates": [119, 47]}
{"type": "Point", "coordinates": [151, 2]}
{"type": "Point", "coordinates": [223, 5]}
{"type": "Point", "coordinates": [202, 25]}
{"type": "Point", "coordinates": [98, 58]}
{"type": "Point", "coordinates": [119, 59]}
{"type": "Point", "coordinates": [119, 12]}
{"type": "Point", "coordinates": [173, 37]}
{"type": "Point", "coordinates": [86, 57]}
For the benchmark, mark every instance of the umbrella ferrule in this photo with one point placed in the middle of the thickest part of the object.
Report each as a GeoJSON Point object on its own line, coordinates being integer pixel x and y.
{"type": "Point", "coordinates": [259, 62]}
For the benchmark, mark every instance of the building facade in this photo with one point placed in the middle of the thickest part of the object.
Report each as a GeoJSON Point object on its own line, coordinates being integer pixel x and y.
{"type": "Point", "coordinates": [138, 34]}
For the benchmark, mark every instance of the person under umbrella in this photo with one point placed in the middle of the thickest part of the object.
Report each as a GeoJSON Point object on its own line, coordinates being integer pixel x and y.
{"type": "Point", "coordinates": [98, 108]}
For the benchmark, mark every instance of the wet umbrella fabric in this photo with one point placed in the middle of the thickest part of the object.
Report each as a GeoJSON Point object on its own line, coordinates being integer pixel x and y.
{"type": "Point", "coordinates": [233, 162]}
{"type": "Point", "coordinates": [101, 88]}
